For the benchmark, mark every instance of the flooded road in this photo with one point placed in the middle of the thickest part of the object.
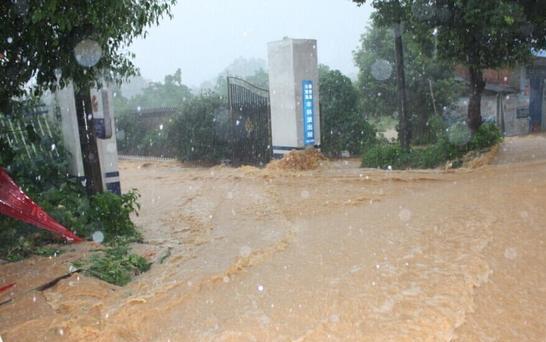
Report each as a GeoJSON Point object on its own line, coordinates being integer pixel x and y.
{"type": "Point", "coordinates": [339, 253]}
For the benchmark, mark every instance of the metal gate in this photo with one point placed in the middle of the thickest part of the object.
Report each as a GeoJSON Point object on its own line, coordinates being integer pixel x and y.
{"type": "Point", "coordinates": [250, 116]}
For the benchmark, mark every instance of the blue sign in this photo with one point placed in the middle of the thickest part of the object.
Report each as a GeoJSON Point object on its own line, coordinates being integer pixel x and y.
{"type": "Point", "coordinates": [539, 53]}
{"type": "Point", "coordinates": [308, 110]}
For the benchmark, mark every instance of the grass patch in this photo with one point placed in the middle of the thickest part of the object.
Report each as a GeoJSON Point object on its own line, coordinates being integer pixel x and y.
{"type": "Point", "coordinates": [115, 264]}
{"type": "Point", "coordinates": [449, 147]}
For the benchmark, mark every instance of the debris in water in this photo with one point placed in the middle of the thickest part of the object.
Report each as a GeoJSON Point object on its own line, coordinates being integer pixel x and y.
{"type": "Point", "coordinates": [165, 256]}
{"type": "Point", "coordinates": [298, 160]}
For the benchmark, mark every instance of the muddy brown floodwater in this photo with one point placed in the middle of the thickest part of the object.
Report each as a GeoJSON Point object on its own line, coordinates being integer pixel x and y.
{"type": "Point", "coordinates": [340, 253]}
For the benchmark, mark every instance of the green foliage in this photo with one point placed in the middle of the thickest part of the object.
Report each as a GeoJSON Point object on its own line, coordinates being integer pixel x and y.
{"type": "Point", "coordinates": [169, 93]}
{"type": "Point", "coordinates": [487, 135]}
{"type": "Point", "coordinates": [44, 178]}
{"type": "Point", "coordinates": [447, 147]}
{"type": "Point", "coordinates": [112, 213]}
{"type": "Point", "coordinates": [382, 156]}
{"type": "Point", "coordinates": [251, 70]}
{"type": "Point", "coordinates": [115, 265]}
{"type": "Point", "coordinates": [476, 34]}
{"type": "Point", "coordinates": [343, 128]}
{"type": "Point", "coordinates": [48, 251]}
{"type": "Point", "coordinates": [42, 36]}
{"type": "Point", "coordinates": [430, 83]}
{"type": "Point", "coordinates": [196, 132]}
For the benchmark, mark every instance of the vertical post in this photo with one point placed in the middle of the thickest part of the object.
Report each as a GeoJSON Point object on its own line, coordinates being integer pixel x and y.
{"type": "Point", "coordinates": [401, 83]}
{"type": "Point", "coordinates": [88, 141]}
{"type": "Point", "coordinates": [535, 104]}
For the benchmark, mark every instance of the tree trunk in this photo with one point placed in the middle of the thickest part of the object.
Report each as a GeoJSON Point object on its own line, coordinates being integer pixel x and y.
{"type": "Point", "coordinates": [5, 103]}
{"type": "Point", "coordinates": [403, 129]}
{"type": "Point", "coordinates": [88, 141]}
{"type": "Point", "coordinates": [477, 85]}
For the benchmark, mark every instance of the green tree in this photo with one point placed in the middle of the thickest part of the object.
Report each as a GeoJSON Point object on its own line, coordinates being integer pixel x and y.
{"type": "Point", "coordinates": [476, 34]}
{"type": "Point", "coordinates": [197, 133]}
{"type": "Point", "coordinates": [52, 42]}
{"type": "Point", "coordinates": [392, 13]}
{"type": "Point", "coordinates": [430, 82]}
{"type": "Point", "coordinates": [169, 93]}
{"type": "Point", "coordinates": [482, 35]}
{"type": "Point", "coordinates": [251, 70]}
{"type": "Point", "coordinates": [343, 128]}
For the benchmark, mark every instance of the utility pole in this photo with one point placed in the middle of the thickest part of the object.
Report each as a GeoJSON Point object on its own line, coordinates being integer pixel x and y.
{"type": "Point", "coordinates": [403, 130]}
{"type": "Point", "coordinates": [88, 140]}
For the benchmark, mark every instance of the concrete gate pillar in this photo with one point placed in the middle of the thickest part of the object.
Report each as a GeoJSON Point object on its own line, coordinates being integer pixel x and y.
{"type": "Point", "coordinates": [294, 95]}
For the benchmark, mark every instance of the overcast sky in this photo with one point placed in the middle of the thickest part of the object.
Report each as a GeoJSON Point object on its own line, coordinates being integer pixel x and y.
{"type": "Point", "coordinates": [204, 36]}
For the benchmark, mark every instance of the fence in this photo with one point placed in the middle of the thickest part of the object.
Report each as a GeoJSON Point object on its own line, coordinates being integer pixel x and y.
{"type": "Point", "coordinates": [24, 132]}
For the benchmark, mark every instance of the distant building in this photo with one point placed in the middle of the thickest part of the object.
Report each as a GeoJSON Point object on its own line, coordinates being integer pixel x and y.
{"type": "Point", "coordinates": [513, 98]}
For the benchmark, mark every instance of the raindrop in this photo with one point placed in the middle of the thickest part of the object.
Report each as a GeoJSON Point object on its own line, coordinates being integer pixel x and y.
{"type": "Point", "coordinates": [111, 148]}
{"type": "Point", "coordinates": [381, 70]}
{"type": "Point", "coordinates": [58, 73]}
{"type": "Point", "coordinates": [405, 215]}
{"type": "Point", "coordinates": [161, 127]}
{"type": "Point", "coordinates": [260, 288]}
{"type": "Point", "coordinates": [21, 7]}
{"type": "Point", "coordinates": [304, 194]}
{"type": "Point", "coordinates": [511, 253]}
{"type": "Point", "coordinates": [53, 147]}
{"type": "Point", "coordinates": [9, 40]}
{"type": "Point", "coordinates": [138, 108]}
{"type": "Point", "coordinates": [88, 53]}
{"type": "Point", "coordinates": [245, 251]}
{"type": "Point", "coordinates": [98, 236]}
{"type": "Point", "coordinates": [459, 134]}
{"type": "Point", "coordinates": [121, 135]}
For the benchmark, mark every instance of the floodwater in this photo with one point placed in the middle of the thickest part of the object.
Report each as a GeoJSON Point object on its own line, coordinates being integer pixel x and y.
{"type": "Point", "coordinates": [340, 253]}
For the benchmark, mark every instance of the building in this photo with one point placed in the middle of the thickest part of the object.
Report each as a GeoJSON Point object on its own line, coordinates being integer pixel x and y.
{"type": "Point", "coordinates": [513, 98]}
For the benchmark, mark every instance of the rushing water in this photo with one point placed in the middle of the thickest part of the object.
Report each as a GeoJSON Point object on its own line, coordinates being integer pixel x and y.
{"type": "Point", "coordinates": [340, 253]}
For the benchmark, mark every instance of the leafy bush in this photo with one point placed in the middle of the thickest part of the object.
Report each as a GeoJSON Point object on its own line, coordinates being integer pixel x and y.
{"type": "Point", "coordinates": [487, 135]}
{"type": "Point", "coordinates": [44, 178]}
{"type": "Point", "coordinates": [111, 214]}
{"type": "Point", "coordinates": [196, 132]}
{"type": "Point", "coordinates": [342, 127]}
{"type": "Point", "coordinates": [382, 156]}
{"type": "Point", "coordinates": [448, 147]}
{"type": "Point", "coordinates": [114, 265]}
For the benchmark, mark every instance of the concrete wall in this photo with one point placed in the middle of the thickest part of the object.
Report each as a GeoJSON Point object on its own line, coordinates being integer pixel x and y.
{"type": "Point", "coordinates": [291, 61]}
{"type": "Point", "coordinates": [101, 100]}
{"type": "Point", "coordinates": [71, 135]}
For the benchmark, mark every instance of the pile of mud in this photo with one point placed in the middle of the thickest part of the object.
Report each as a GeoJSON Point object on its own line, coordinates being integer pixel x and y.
{"type": "Point", "coordinates": [298, 161]}
{"type": "Point", "coordinates": [476, 159]}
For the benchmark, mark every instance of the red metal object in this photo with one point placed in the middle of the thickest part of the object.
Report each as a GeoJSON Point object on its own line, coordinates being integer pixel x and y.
{"type": "Point", "coordinates": [16, 204]}
{"type": "Point", "coordinates": [6, 287]}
